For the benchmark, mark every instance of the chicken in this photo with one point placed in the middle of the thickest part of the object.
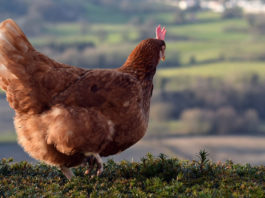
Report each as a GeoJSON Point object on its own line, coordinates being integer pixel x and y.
{"type": "Point", "coordinates": [68, 116]}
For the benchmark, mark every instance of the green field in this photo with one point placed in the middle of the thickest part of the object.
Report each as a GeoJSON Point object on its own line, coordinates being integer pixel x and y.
{"type": "Point", "coordinates": [8, 137]}
{"type": "Point", "coordinates": [210, 38]}
{"type": "Point", "coordinates": [216, 70]}
{"type": "Point", "coordinates": [233, 72]}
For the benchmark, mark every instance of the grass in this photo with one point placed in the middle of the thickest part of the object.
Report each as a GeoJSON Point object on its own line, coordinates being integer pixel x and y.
{"type": "Point", "coordinates": [8, 137]}
{"type": "Point", "coordinates": [103, 14]}
{"type": "Point", "coordinates": [208, 39]}
{"type": "Point", "coordinates": [208, 15]}
{"type": "Point", "coordinates": [99, 34]}
{"type": "Point", "coordinates": [152, 177]}
{"type": "Point", "coordinates": [211, 31]}
{"type": "Point", "coordinates": [211, 40]}
{"type": "Point", "coordinates": [219, 70]}
{"type": "Point", "coordinates": [166, 128]}
{"type": "Point", "coordinates": [236, 74]}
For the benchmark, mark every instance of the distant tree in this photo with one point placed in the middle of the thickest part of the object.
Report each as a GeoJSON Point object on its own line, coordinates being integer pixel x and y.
{"type": "Point", "coordinates": [230, 13]}
{"type": "Point", "coordinates": [102, 34]}
{"type": "Point", "coordinates": [221, 57]}
{"type": "Point", "coordinates": [84, 25]}
{"type": "Point", "coordinates": [197, 121]}
{"type": "Point", "coordinates": [256, 23]}
{"type": "Point", "coordinates": [193, 10]}
{"type": "Point", "coordinates": [163, 83]}
{"type": "Point", "coordinates": [250, 121]}
{"type": "Point", "coordinates": [136, 20]}
{"type": "Point", "coordinates": [145, 31]}
{"type": "Point", "coordinates": [180, 17]}
{"type": "Point", "coordinates": [162, 112]}
{"type": "Point", "coordinates": [101, 59]}
{"type": "Point", "coordinates": [32, 23]}
{"type": "Point", "coordinates": [192, 60]}
{"type": "Point", "coordinates": [13, 7]}
{"type": "Point", "coordinates": [225, 120]}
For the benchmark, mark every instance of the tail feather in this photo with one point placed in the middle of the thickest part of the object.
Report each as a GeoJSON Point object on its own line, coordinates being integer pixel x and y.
{"type": "Point", "coordinates": [11, 34]}
{"type": "Point", "coordinates": [14, 47]}
{"type": "Point", "coordinates": [16, 67]}
{"type": "Point", "coordinates": [30, 78]}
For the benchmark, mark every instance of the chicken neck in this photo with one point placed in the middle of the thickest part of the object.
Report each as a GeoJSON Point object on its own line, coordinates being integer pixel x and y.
{"type": "Point", "coordinates": [145, 78]}
{"type": "Point", "coordinates": [141, 64]}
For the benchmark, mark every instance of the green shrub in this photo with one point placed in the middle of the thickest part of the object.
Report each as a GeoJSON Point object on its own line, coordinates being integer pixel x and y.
{"type": "Point", "coordinates": [152, 177]}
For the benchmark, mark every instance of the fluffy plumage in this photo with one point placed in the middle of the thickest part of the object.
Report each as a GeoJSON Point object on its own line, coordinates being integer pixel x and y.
{"type": "Point", "coordinates": [65, 113]}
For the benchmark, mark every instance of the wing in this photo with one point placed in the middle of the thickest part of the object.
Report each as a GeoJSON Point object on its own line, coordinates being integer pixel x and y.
{"type": "Point", "coordinates": [109, 91]}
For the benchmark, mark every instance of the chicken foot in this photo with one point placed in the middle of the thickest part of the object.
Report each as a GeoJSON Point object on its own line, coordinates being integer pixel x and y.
{"type": "Point", "coordinates": [94, 160]}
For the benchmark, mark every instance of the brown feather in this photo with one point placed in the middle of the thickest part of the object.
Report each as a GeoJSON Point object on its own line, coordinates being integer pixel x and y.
{"type": "Point", "coordinates": [64, 112]}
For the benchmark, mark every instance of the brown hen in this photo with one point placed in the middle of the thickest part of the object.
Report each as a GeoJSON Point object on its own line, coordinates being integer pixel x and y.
{"type": "Point", "coordinates": [67, 116]}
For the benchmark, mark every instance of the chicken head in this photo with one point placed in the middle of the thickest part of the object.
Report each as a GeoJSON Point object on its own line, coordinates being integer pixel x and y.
{"type": "Point", "coordinates": [161, 34]}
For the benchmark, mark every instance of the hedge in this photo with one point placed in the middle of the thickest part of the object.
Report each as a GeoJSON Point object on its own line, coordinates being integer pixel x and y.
{"type": "Point", "coordinates": [151, 177]}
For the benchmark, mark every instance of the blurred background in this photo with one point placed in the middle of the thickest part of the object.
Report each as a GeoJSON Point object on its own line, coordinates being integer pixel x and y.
{"type": "Point", "coordinates": [209, 93]}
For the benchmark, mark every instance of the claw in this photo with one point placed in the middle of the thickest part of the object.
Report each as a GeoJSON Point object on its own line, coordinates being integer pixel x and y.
{"type": "Point", "coordinates": [94, 160]}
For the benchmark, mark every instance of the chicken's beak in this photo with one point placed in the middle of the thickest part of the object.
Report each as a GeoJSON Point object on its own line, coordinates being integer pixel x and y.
{"type": "Point", "coordinates": [162, 54]}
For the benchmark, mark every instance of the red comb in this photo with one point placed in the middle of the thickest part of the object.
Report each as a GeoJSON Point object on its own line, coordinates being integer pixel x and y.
{"type": "Point", "coordinates": [160, 34]}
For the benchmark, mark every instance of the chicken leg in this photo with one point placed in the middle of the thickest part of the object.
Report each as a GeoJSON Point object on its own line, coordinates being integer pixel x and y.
{"type": "Point", "coordinates": [67, 172]}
